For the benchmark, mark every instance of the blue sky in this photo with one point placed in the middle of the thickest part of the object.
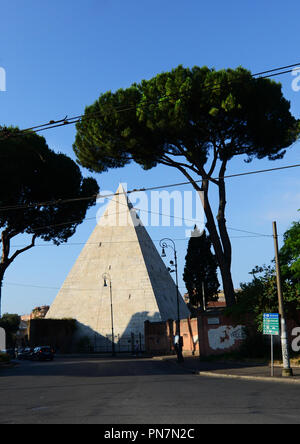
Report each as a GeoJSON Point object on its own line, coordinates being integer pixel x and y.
{"type": "Point", "coordinates": [60, 55]}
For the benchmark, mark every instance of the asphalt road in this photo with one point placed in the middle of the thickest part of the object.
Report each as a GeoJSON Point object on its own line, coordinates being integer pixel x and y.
{"type": "Point", "coordinates": [137, 391]}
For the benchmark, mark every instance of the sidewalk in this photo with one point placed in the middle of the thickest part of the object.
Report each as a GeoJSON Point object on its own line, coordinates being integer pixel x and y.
{"type": "Point", "coordinates": [231, 369]}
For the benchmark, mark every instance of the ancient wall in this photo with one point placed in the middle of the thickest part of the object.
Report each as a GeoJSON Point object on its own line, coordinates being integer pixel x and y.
{"type": "Point", "coordinates": [52, 332]}
{"type": "Point", "coordinates": [218, 335]}
{"type": "Point", "coordinates": [209, 334]}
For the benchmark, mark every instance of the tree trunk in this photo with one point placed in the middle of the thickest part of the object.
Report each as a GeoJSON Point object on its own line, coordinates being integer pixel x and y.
{"type": "Point", "coordinates": [222, 259]}
{"type": "Point", "coordinates": [227, 250]}
{"type": "Point", "coordinates": [222, 248]}
{"type": "Point", "coordinates": [2, 271]}
{"type": "Point", "coordinates": [5, 259]}
{"type": "Point", "coordinates": [221, 216]}
{"type": "Point", "coordinates": [221, 251]}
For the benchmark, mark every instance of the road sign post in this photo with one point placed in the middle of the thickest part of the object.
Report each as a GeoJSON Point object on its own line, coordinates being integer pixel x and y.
{"type": "Point", "coordinates": [271, 327]}
{"type": "Point", "coordinates": [272, 357]}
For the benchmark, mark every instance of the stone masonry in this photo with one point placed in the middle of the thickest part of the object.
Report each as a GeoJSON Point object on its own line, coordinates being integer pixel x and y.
{"type": "Point", "coordinates": [142, 288]}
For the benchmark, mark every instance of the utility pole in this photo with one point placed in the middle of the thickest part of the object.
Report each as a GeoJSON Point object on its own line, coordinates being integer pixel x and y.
{"type": "Point", "coordinates": [180, 356]}
{"type": "Point", "coordinates": [287, 371]}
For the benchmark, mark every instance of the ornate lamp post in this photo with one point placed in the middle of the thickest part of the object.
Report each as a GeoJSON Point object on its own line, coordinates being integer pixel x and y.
{"type": "Point", "coordinates": [169, 243]}
{"type": "Point", "coordinates": [106, 277]}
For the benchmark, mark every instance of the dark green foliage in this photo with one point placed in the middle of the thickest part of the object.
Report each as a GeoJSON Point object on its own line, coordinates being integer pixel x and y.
{"type": "Point", "coordinates": [195, 120]}
{"type": "Point", "coordinates": [290, 256]}
{"type": "Point", "coordinates": [10, 323]}
{"type": "Point", "coordinates": [30, 174]}
{"type": "Point", "coordinates": [201, 268]}
{"type": "Point", "coordinates": [186, 112]}
{"type": "Point", "coordinates": [260, 295]}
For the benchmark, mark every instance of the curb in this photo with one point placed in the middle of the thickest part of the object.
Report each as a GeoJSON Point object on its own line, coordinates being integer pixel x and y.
{"type": "Point", "coordinates": [247, 378]}
{"type": "Point", "coordinates": [99, 356]}
{"type": "Point", "coordinates": [240, 377]}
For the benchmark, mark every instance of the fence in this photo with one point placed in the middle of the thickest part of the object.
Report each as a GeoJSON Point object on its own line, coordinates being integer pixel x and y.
{"type": "Point", "coordinates": [123, 344]}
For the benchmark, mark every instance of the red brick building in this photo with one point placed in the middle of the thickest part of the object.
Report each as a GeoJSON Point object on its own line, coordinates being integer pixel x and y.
{"type": "Point", "coordinates": [211, 333]}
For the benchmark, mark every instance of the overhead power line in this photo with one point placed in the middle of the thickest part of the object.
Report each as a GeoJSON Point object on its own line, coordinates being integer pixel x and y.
{"type": "Point", "coordinates": [253, 234]}
{"type": "Point", "coordinates": [281, 70]}
{"type": "Point", "coordinates": [185, 239]}
{"type": "Point", "coordinates": [75, 119]}
{"type": "Point", "coordinates": [66, 288]}
{"type": "Point", "coordinates": [158, 187]}
{"type": "Point", "coordinates": [66, 120]}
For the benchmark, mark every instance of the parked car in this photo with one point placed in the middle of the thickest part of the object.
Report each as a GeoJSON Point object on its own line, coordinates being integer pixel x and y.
{"type": "Point", "coordinates": [44, 353]}
{"type": "Point", "coordinates": [10, 352]}
{"type": "Point", "coordinates": [24, 353]}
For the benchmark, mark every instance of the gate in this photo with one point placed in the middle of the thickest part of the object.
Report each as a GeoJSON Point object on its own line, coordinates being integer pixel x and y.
{"type": "Point", "coordinates": [123, 344]}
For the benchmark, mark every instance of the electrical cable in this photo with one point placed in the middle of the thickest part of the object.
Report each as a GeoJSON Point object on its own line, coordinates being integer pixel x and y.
{"type": "Point", "coordinates": [76, 244]}
{"type": "Point", "coordinates": [72, 120]}
{"type": "Point", "coordinates": [99, 196]}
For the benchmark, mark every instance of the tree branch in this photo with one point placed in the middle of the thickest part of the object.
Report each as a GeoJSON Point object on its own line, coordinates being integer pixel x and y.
{"type": "Point", "coordinates": [181, 164]}
{"type": "Point", "coordinates": [13, 257]}
{"type": "Point", "coordinates": [214, 162]}
{"type": "Point", "coordinates": [181, 167]}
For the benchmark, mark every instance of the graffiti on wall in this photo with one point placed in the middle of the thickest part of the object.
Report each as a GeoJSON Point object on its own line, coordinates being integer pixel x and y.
{"type": "Point", "coordinates": [2, 339]}
{"type": "Point", "coordinates": [225, 336]}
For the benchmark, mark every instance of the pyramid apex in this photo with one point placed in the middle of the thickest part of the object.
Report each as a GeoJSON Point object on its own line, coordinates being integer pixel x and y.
{"type": "Point", "coordinates": [121, 189]}
{"type": "Point", "coordinates": [119, 210]}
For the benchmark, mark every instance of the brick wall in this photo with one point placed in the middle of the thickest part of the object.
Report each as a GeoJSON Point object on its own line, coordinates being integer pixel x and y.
{"type": "Point", "coordinates": [208, 334]}
{"type": "Point", "coordinates": [158, 337]}
{"type": "Point", "coordinates": [218, 334]}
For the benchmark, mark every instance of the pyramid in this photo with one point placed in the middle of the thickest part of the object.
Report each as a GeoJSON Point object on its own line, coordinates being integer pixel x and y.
{"type": "Point", "coordinates": [141, 286]}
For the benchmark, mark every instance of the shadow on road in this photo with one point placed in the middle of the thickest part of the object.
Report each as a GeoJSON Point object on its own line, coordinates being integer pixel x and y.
{"type": "Point", "coordinates": [191, 362]}
{"type": "Point", "coordinates": [92, 367]}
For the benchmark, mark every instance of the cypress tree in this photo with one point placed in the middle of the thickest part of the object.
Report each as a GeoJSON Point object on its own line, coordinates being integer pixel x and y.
{"type": "Point", "coordinates": [200, 273]}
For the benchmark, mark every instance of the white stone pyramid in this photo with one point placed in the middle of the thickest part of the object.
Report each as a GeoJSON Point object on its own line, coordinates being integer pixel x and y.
{"type": "Point", "coordinates": [142, 288]}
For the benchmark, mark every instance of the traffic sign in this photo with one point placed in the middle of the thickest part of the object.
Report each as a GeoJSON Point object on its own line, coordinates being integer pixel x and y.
{"type": "Point", "coordinates": [271, 324]}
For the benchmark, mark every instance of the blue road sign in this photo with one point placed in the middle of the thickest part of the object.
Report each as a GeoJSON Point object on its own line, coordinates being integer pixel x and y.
{"type": "Point", "coordinates": [271, 325]}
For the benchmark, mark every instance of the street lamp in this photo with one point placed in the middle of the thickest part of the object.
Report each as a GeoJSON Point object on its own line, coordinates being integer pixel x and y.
{"type": "Point", "coordinates": [106, 277]}
{"type": "Point", "coordinates": [169, 243]}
